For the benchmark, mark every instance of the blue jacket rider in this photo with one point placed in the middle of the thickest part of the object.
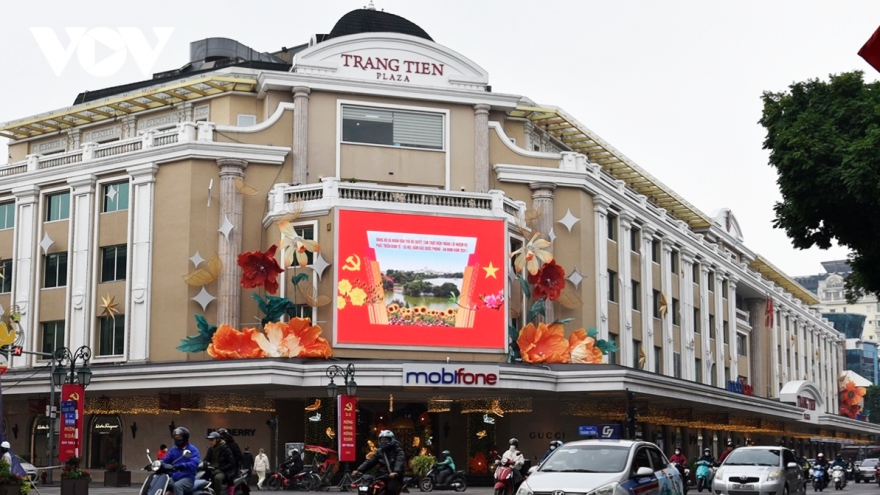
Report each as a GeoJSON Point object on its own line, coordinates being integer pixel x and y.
{"type": "Point", "coordinates": [184, 474]}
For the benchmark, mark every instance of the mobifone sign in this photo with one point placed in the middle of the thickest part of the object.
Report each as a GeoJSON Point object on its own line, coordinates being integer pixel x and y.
{"type": "Point", "coordinates": [449, 375]}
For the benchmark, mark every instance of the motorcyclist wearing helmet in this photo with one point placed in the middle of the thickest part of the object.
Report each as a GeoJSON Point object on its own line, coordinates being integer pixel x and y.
{"type": "Point", "coordinates": [391, 461]}
{"type": "Point", "coordinates": [236, 454]}
{"type": "Point", "coordinates": [445, 468]}
{"type": "Point", "coordinates": [678, 457]}
{"type": "Point", "coordinates": [838, 461]}
{"type": "Point", "coordinates": [515, 457]}
{"type": "Point", "coordinates": [293, 465]}
{"type": "Point", "coordinates": [822, 463]}
{"type": "Point", "coordinates": [184, 474]}
{"type": "Point", "coordinates": [6, 454]}
{"type": "Point", "coordinates": [707, 456]}
{"type": "Point", "coordinates": [726, 452]}
{"type": "Point", "coordinates": [219, 457]}
{"type": "Point", "coordinates": [555, 444]}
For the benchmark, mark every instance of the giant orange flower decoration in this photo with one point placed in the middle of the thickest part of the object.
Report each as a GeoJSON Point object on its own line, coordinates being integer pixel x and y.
{"type": "Point", "coordinates": [583, 348]}
{"type": "Point", "coordinates": [311, 344]}
{"type": "Point", "coordinates": [229, 343]}
{"type": "Point", "coordinates": [259, 269]}
{"type": "Point", "coordinates": [543, 344]}
{"type": "Point", "coordinates": [852, 395]}
{"type": "Point", "coordinates": [549, 281]}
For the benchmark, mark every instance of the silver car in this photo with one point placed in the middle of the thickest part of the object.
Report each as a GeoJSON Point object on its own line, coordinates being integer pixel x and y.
{"type": "Point", "coordinates": [759, 471]}
{"type": "Point", "coordinates": [604, 467]}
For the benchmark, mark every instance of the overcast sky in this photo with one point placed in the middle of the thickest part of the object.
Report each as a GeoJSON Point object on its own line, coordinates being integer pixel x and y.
{"type": "Point", "coordinates": [674, 85]}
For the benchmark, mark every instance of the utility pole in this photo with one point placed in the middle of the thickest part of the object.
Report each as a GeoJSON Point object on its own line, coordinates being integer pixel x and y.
{"type": "Point", "coordinates": [50, 411]}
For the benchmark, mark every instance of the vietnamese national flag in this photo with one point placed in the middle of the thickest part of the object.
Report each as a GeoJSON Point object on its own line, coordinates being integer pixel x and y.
{"type": "Point", "coordinates": [769, 313]}
{"type": "Point", "coordinates": [871, 51]}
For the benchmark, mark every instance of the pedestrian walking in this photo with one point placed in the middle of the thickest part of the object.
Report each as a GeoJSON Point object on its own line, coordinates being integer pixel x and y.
{"type": "Point", "coordinates": [261, 466]}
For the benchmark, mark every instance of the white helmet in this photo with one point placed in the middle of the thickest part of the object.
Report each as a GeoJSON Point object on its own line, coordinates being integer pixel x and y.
{"type": "Point", "coordinates": [5, 445]}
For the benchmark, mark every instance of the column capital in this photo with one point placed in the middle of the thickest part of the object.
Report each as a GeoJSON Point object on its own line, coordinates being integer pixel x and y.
{"type": "Point", "coordinates": [537, 186]}
{"type": "Point", "coordinates": [648, 231]}
{"type": "Point", "coordinates": [687, 254]}
{"type": "Point", "coordinates": [26, 194]}
{"type": "Point", "coordinates": [83, 183]}
{"type": "Point", "coordinates": [667, 246]}
{"type": "Point", "coordinates": [143, 173]}
{"type": "Point", "coordinates": [482, 108]}
{"type": "Point", "coordinates": [705, 268]}
{"type": "Point", "coordinates": [601, 203]}
{"type": "Point", "coordinates": [626, 218]}
{"type": "Point", "coordinates": [232, 166]}
{"type": "Point", "coordinates": [301, 91]}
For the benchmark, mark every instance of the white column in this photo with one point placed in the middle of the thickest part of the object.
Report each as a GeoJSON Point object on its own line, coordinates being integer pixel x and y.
{"type": "Point", "coordinates": [24, 261]}
{"type": "Point", "coordinates": [79, 287]}
{"type": "Point", "coordinates": [300, 134]}
{"type": "Point", "coordinates": [826, 364]}
{"type": "Point", "coordinates": [624, 247]}
{"type": "Point", "coordinates": [542, 201]}
{"type": "Point", "coordinates": [785, 330]}
{"type": "Point", "coordinates": [833, 406]}
{"type": "Point", "coordinates": [792, 340]}
{"type": "Point", "coordinates": [647, 276]}
{"type": "Point", "coordinates": [137, 286]}
{"type": "Point", "coordinates": [231, 205]}
{"type": "Point", "coordinates": [719, 330]}
{"type": "Point", "coordinates": [600, 209]}
{"type": "Point", "coordinates": [686, 286]}
{"type": "Point", "coordinates": [704, 324]}
{"type": "Point", "coordinates": [666, 288]}
{"type": "Point", "coordinates": [481, 147]}
{"type": "Point", "coordinates": [774, 353]}
{"type": "Point", "coordinates": [731, 326]}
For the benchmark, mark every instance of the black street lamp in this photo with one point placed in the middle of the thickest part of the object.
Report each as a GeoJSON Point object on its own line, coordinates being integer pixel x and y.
{"type": "Point", "coordinates": [347, 375]}
{"type": "Point", "coordinates": [82, 376]}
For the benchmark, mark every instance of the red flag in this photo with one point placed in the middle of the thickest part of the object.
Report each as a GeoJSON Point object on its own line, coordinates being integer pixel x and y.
{"type": "Point", "coordinates": [871, 51]}
{"type": "Point", "coordinates": [769, 313]}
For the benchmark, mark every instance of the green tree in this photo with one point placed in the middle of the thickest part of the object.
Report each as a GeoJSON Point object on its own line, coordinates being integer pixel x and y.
{"type": "Point", "coordinates": [824, 140]}
{"type": "Point", "coordinates": [872, 403]}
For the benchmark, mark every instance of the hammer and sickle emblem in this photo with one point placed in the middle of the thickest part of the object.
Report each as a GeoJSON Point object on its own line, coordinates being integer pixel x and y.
{"type": "Point", "coordinates": [74, 396]}
{"type": "Point", "coordinates": [352, 263]}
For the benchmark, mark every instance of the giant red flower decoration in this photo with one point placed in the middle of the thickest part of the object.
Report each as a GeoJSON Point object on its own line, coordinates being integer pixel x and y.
{"type": "Point", "coordinates": [259, 269]}
{"type": "Point", "coordinates": [549, 281]}
{"type": "Point", "coordinates": [852, 395]}
{"type": "Point", "coordinates": [543, 344]}
{"type": "Point", "coordinates": [229, 343]}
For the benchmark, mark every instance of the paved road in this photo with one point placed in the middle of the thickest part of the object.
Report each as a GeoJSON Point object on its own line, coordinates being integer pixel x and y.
{"type": "Point", "coordinates": [99, 489]}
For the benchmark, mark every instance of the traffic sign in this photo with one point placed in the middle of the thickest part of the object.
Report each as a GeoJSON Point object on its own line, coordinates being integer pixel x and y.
{"type": "Point", "coordinates": [588, 431]}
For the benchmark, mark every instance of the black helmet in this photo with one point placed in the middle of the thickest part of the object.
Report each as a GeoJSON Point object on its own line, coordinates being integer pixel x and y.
{"type": "Point", "coordinates": [182, 432]}
{"type": "Point", "coordinates": [514, 442]}
{"type": "Point", "coordinates": [706, 450]}
{"type": "Point", "coordinates": [224, 433]}
{"type": "Point", "coordinates": [213, 436]}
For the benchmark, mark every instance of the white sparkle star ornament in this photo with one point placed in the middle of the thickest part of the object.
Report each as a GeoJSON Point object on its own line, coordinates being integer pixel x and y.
{"type": "Point", "coordinates": [204, 298]}
{"type": "Point", "coordinates": [112, 191]}
{"type": "Point", "coordinates": [196, 259]}
{"type": "Point", "coordinates": [319, 264]}
{"type": "Point", "coordinates": [46, 243]}
{"type": "Point", "coordinates": [569, 220]}
{"type": "Point", "coordinates": [226, 228]}
{"type": "Point", "coordinates": [575, 277]}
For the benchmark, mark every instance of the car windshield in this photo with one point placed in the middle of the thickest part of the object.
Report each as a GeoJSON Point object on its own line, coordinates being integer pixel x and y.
{"type": "Point", "coordinates": [586, 459]}
{"type": "Point", "coordinates": [753, 457]}
{"type": "Point", "coordinates": [869, 462]}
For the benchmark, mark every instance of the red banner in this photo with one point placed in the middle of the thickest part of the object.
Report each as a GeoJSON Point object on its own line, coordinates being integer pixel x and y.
{"type": "Point", "coordinates": [420, 281]}
{"type": "Point", "coordinates": [73, 398]}
{"type": "Point", "coordinates": [346, 407]}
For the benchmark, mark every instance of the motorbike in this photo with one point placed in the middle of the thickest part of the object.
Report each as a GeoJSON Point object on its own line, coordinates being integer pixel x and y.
{"type": "Point", "coordinates": [818, 478]}
{"type": "Point", "coordinates": [850, 472]}
{"type": "Point", "coordinates": [454, 482]}
{"type": "Point", "coordinates": [685, 474]}
{"type": "Point", "coordinates": [704, 475]}
{"type": "Point", "coordinates": [504, 480]}
{"type": "Point", "coordinates": [159, 481]}
{"type": "Point", "coordinates": [838, 476]}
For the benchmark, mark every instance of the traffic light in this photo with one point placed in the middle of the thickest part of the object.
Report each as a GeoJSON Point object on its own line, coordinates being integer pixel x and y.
{"type": "Point", "coordinates": [272, 423]}
{"type": "Point", "coordinates": [16, 350]}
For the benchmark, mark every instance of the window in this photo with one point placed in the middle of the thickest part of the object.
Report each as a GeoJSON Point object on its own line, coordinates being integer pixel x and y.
{"type": "Point", "coordinates": [713, 375]}
{"type": "Point", "coordinates": [244, 120]}
{"type": "Point", "coordinates": [634, 244]}
{"type": "Point", "coordinates": [58, 207]}
{"type": "Point", "coordinates": [868, 308]}
{"type": "Point", "coordinates": [696, 273]}
{"type": "Point", "coordinates": [673, 265]}
{"type": "Point", "coordinates": [7, 215]}
{"type": "Point", "coordinates": [696, 320]}
{"type": "Point", "coordinates": [641, 460]}
{"type": "Point", "coordinates": [113, 262]}
{"type": "Point", "coordinates": [612, 357]}
{"type": "Point", "coordinates": [637, 347]}
{"type": "Point", "coordinates": [741, 345]}
{"type": "Point", "coordinates": [657, 301]}
{"type": "Point", "coordinates": [724, 288]}
{"type": "Point", "coordinates": [392, 127]}
{"type": "Point", "coordinates": [725, 327]}
{"type": "Point", "coordinates": [676, 364]}
{"type": "Point", "coordinates": [111, 336]}
{"type": "Point", "coordinates": [612, 286]}
{"type": "Point", "coordinates": [6, 281]}
{"type": "Point", "coordinates": [52, 336]}
{"type": "Point", "coordinates": [115, 197]}
{"type": "Point", "coordinates": [658, 359]}
{"type": "Point", "coordinates": [698, 370]}
{"type": "Point", "coordinates": [636, 296]}
{"type": "Point", "coordinates": [307, 231]}
{"type": "Point", "coordinates": [711, 326]}
{"type": "Point", "coordinates": [655, 251]}
{"type": "Point", "coordinates": [56, 270]}
{"type": "Point", "coordinates": [676, 312]}
{"type": "Point", "coordinates": [611, 221]}
{"type": "Point", "coordinates": [657, 459]}
{"type": "Point", "coordinates": [711, 281]}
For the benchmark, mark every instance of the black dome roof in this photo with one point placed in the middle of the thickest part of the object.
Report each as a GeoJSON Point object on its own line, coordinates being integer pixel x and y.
{"type": "Point", "coordinates": [374, 21]}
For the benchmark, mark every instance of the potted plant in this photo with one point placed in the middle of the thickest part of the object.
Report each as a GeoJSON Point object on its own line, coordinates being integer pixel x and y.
{"type": "Point", "coordinates": [421, 464]}
{"type": "Point", "coordinates": [11, 483]}
{"type": "Point", "coordinates": [74, 481]}
{"type": "Point", "coordinates": [116, 474]}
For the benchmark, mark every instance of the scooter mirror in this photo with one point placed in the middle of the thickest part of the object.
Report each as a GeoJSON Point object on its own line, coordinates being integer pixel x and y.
{"type": "Point", "coordinates": [148, 451]}
{"type": "Point", "coordinates": [187, 454]}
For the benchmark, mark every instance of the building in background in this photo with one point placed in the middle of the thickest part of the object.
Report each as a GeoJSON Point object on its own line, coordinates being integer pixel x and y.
{"type": "Point", "coordinates": [124, 217]}
{"type": "Point", "coordinates": [861, 355]}
{"type": "Point", "coordinates": [831, 291]}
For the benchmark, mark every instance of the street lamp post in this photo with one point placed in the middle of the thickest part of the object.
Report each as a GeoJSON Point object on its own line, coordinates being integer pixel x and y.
{"type": "Point", "coordinates": [347, 375]}
{"type": "Point", "coordinates": [82, 376]}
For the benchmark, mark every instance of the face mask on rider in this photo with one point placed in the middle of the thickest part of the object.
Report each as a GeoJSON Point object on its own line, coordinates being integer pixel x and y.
{"type": "Point", "coordinates": [677, 452]}
{"type": "Point", "coordinates": [179, 442]}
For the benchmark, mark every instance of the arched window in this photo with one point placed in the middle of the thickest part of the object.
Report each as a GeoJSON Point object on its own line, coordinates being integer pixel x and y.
{"type": "Point", "coordinates": [105, 440]}
{"type": "Point", "coordinates": [40, 441]}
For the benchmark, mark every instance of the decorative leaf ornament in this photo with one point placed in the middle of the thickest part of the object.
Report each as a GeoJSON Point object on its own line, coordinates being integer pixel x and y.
{"type": "Point", "coordinates": [204, 276]}
{"type": "Point", "coordinates": [244, 188]}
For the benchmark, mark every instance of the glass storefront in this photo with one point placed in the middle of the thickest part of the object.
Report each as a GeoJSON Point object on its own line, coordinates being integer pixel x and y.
{"type": "Point", "coordinates": [105, 440]}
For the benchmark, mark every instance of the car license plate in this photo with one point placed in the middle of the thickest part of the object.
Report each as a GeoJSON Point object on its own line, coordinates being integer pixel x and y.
{"type": "Point", "coordinates": [743, 487]}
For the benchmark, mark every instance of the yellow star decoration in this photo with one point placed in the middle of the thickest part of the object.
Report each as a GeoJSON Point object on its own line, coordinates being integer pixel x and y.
{"type": "Point", "coordinates": [108, 306]}
{"type": "Point", "coordinates": [490, 271]}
